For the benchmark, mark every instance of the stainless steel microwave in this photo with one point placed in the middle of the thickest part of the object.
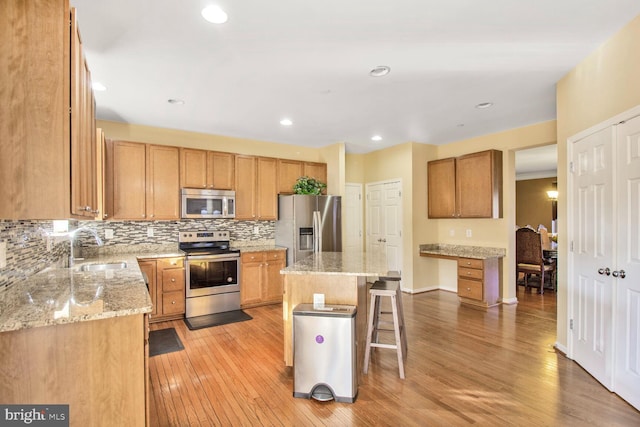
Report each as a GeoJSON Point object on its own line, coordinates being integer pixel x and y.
{"type": "Point", "coordinates": [197, 203]}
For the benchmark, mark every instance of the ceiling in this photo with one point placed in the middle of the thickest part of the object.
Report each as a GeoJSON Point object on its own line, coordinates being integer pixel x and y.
{"type": "Point", "coordinates": [310, 60]}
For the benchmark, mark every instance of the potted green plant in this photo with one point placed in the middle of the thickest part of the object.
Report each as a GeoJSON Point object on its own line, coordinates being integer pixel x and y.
{"type": "Point", "coordinates": [308, 185]}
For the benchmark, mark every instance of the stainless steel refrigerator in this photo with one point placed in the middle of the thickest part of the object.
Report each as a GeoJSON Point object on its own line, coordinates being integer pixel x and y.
{"type": "Point", "coordinates": [308, 224]}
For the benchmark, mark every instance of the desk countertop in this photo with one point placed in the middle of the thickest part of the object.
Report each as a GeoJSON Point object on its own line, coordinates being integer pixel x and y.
{"type": "Point", "coordinates": [461, 251]}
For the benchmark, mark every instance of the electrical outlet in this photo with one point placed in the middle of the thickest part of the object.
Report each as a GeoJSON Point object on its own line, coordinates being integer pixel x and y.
{"type": "Point", "coordinates": [108, 233]}
{"type": "Point", "coordinates": [469, 234]}
{"type": "Point", "coordinates": [3, 254]}
{"type": "Point", "coordinates": [149, 231]}
{"type": "Point", "coordinates": [256, 229]}
{"type": "Point", "coordinates": [452, 232]}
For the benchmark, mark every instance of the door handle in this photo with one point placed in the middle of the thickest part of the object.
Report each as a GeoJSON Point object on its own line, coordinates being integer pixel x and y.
{"type": "Point", "coordinates": [620, 273]}
{"type": "Point", "coordinates": [604, 271]}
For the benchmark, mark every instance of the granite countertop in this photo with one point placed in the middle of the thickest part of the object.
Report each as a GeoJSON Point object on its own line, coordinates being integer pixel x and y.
{"type": "Point", "coordinates": [461, 251]}
{"type": "Point", "coordinates": [341, 263]}
{"type": "Point", "coordinates": [59, 295]}
{"type": "Point", "coordinates": [259, 248]}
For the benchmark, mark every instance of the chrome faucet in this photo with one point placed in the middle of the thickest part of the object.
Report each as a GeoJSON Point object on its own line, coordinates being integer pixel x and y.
{"type": "Point", "coordinates": [72, 237]}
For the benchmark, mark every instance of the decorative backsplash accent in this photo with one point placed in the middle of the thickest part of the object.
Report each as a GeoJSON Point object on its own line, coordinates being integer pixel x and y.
{"type": "Point", "coordinates": [27, 251]}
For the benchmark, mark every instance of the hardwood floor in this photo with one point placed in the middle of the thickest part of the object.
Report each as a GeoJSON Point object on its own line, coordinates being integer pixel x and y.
{"type": "Point", "coordinates": [465, 366]}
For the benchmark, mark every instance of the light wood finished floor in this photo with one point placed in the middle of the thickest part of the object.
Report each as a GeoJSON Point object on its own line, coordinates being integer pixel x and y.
{"type": "Point", "coordinates": [465, 366]}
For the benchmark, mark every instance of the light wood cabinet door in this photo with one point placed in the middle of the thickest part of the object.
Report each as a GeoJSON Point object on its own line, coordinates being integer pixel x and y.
{"type": "Point", "coordinates": [220, 170]}
{"type": "Point", "coordinates": [245, 171]}
{"type": "Point", "coordinates": [251, 279]}
{"type": "Point", "coordinates": [193, 168]}
{"type": "Point", "coordinates": [162, 182]}
{"type": "Point", "coordinates": [479, 185]}
{"type": "Point", "coordinates": [170, 289]}
{"type": "Point", "coordinates": [288, 173]}
{"type": "Point", "coordinates": [149, 269]}
{"type": "Point", "coordinates": [125, 183]}
{"type": "Point", "coordinates": [274, 283]}
{"type": "Point", "coordinates": [441, 188]}
{"type": "Point", "coordinates": [266, 188]}
{"type": "Point", "coordinates": [317, 171]}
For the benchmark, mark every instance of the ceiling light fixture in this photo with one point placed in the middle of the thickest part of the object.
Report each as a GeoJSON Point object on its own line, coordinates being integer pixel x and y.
{"type": "Point", "coordinates": [379, 71]}
{"type": "Point", "coordinates": [97, 86]}
{"type": "Point", "coordinates": [484, 105]}
{"type": "Point", "coordinates": [376, 138]}
{"type": "Point", "coordinates": [286, 122]}
{"type": "Point", "coordinates": [214, 14]}
{"type": "Point", "coordinates": [175, 101]}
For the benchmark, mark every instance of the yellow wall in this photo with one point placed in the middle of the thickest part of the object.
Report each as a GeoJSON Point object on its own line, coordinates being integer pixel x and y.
{"type": "Point", "coordinates": [533, 206]}
{"type": "Point", "coordinates": [605, 84]}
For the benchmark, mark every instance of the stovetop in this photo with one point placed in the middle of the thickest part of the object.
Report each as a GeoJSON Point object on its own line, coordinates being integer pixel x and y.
{"type": "Point", "coordinates": [205, 242]}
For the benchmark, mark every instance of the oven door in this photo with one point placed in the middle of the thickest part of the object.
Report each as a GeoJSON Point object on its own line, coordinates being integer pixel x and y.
{"type": "Point", "coordinates": [212, 274]}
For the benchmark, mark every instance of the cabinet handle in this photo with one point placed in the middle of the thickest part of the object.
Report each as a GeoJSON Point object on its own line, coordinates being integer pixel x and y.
{"type": "Point", "coordinates": [173, 302]}
{"type": "Point", "coordinates": [151, 216]}
{"type": "Point", "coordinates": [468, 273]}
{"type": "Point", "coordinates": [173, 279]}
{"type": "Point", "coordinates": [469, 289]}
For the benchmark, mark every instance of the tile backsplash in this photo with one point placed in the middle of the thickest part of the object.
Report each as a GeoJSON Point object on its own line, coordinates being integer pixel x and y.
{"type": "Point", "coordinates": [29, 250]}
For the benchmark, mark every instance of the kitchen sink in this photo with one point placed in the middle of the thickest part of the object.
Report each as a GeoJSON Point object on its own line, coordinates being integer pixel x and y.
{"type": "Point", "coordinates": [104, 266]}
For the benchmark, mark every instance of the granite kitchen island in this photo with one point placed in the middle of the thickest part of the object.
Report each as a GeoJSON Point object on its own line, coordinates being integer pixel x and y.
{"type": "Point", "coordinates": [342, 277]}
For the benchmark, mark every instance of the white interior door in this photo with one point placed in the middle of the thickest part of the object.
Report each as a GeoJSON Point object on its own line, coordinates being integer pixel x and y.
{"type": "Point", "coordinates": [627, 313]}
{"type": "Point", "coordinates": [592, 288]}
{"type": "Point", "coordinates": [384, 221]}
{"type": "Point", "coordinates": [352, 237]}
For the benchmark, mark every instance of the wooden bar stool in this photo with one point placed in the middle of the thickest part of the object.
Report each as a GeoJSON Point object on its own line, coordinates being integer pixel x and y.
{"type": "Point", "coordinates": [386, 288]}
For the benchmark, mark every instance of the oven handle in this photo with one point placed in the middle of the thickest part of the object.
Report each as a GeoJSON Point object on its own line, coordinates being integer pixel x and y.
{"type": "Point", "coordinates": [212, 257]}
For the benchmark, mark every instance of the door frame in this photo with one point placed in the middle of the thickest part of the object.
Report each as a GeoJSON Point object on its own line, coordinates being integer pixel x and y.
{"type": "Point", "coordinates": [360, 212]}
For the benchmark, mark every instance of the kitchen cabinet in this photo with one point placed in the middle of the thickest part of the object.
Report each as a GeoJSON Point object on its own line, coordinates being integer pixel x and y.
{"type": "Point", "coordinates": [260, 279]}
{"type": "Point", "coordinates": [98, 367]}
{"type": "Point", "coordinates": [206, 169]}
{"type": "Point", "coordinates": [141, 181]}
{"type": "Point", "coordinates": [256, 188]}
{"type": "Point", "coordinates": [468, 186]}
{"type": "Point", "coordinates": [167, 288]}
{"type": "Point", "coordinates": [478, 281]}
{"type": "Point", "coordinates": [162, 182]}
{"type": "Point", "coordinates": [290, 170]}
{"type": "Point", "coordinates": [48, 114]}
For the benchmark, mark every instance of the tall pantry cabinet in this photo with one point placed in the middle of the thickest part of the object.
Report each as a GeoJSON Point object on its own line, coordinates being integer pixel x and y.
{"type": "Point", "coordinates": [47, 127]}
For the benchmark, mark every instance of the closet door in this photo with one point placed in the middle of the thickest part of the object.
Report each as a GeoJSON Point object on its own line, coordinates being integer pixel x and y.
{"type": "Point", "coordinates": [593, 233]}
{"type": "Point", "coordinates": [627, 312]}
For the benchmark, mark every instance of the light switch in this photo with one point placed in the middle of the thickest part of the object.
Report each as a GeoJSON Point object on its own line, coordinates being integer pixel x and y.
{"type": "Point", "coordinates": [149, 231]}
{"type": "Point", "coordinates": [108, 233]}
{"type": "Point", "coordinates": [469, 232]}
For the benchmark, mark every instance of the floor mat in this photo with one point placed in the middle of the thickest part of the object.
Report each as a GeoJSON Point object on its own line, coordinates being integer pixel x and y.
{"type": "Point", "coordinates": [217, 319]}
{"type": "Point", "coordinates": [164, 341]}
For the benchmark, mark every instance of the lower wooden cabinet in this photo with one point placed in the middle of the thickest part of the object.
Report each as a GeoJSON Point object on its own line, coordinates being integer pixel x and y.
{"type": "Point", "coordinates": [166, 287]}
{"type": "Point", "coordinates": [478, 281]}
{"type": "Point", "coordinates": [260, 279]}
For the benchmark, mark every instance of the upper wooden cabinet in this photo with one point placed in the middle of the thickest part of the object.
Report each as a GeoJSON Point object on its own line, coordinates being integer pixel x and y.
{"type": "Point", "coordinates": [141, 181]}
{"type": "Point", "coordinates": [256, 188]}
{"type": "Point", "coordinates": [36, 126]}
{"type": "Point", "coordinates": [468, 186]}
{"type": "Point", "coordinates": [206, 169]}
{"type": "Point", "coordinates": [290, 170]}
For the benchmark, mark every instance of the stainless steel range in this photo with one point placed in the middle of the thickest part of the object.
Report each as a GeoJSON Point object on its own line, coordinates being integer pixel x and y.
{"type": "Point", "coordinates": [212, 272]}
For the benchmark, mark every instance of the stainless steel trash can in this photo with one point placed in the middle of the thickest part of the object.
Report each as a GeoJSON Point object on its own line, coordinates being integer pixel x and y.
{"type": "Point", "coordinates": [324, 353]}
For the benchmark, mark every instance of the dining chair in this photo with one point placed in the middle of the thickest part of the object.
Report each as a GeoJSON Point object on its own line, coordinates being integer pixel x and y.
{"type": "Point", "coordinates": [530, 260]}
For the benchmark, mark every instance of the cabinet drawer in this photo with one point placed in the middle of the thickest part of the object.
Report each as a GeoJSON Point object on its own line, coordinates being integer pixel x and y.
{"type": "Point", "coordinates": [470, 263]}
{"type": "Point", "coordinates": [173, 302]}
{"type": "Point", "coordinates": [173, 280]}
{"type": "Point", "coordinates": [470, 289]}
{"type": "Point", "coordinates": [470, 273]}
{"type": "Point", "coordinates": [177, 262]}
{"type": "Point", "coordinates": [252, 257]}
{"type": "Point", "coordinates": [271, 255]}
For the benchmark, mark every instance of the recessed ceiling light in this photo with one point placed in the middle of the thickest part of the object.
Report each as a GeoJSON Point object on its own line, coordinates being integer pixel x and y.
{"type": "Point", "coordinates": [175, 101]}
{"type": "Point", "coordinates": [286, 122]}
{"type": "Point", "coordinates": [379, 71]}
{"type": "Point", "coordinates": [214, 14]}
{"type": "Point", "coordinates": [483, 105]}
{"type": "Point", "coordinates": [376, 138]}
{"type": "Point", "coordinates": [98, 86]}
